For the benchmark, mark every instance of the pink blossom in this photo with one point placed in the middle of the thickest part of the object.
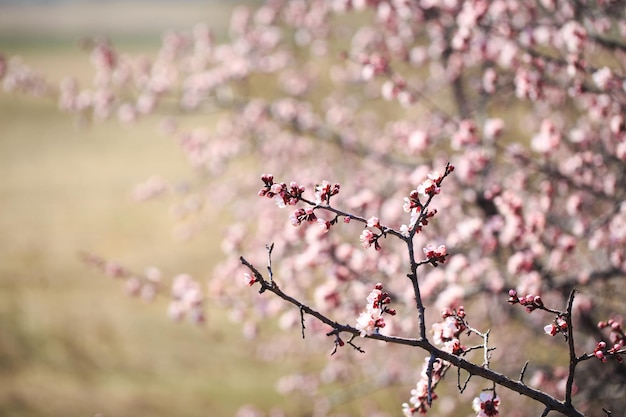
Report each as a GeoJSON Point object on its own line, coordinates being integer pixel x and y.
{"type": "Point", "coordinates": [418, 141]}
{"type": "Point", "coordinates": [445, 331]}
{"type": "Point", "coordinates": [548, 138]}
{"type": "Point", "coordinates": [602, 78]}
{"type": "Point", "coordinates": [599, 351]}
{"type": "Point", "coordinates": [303, 215]}
{"type": "Point", "coordinates": [388, 90]}
{"type": "Point", "coordinates": [493, 128]}
{"type": "Point", "coordinates": [324, 225]}
{"type": "Point", "coordinates": [373, 222]}
{"type": "Point", "coordinates": [187, 299]}
{"type": "Point", "coordinates": [369, 322]}
{"type": "Point", "coordinates": [324, 191]}
{"type": "Point", "coordinates": [152, 187]}
{"type": "Point", "coordinates": [486, 404]}
{"type": "Point", "coordinates": [428, 188]}
{"type": "Point", "coordinates": [249, 279]}
{"type": "Point", "coordinates": [435, 255]}
{"type": "Point", "coordinates": [489, 80]}
{"type": "Point", "coordinates": [465, 135]}
{"type": "Point", "coordinates": [551, 329]}
{"type": "Point", "coordinates": [133, 286]}
{"type": "Point", "coordinates": [573, 35]}
{"type": "Point", "coordinates": [368, 238]}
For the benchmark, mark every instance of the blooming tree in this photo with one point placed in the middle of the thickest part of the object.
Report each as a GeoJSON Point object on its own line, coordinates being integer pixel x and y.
{"type": "Point", "coordinates": [481, 151]}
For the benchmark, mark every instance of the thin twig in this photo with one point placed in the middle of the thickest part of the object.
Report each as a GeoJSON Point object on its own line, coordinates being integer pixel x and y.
{"type": "Point", "coordinates": [351, 343]}
{"type": "Point", "coordinates": [270, 248]}
{"type": "Point", "coordinates": [458, 380]}
{"type": "Point", "coordinates": [429, 374]}
{"type": "Point", "coordinates": [523, 372]}
{"type": "Point", "coordinates": [573, 360]}
{"type": "Point", "coordinates": [302, 321]}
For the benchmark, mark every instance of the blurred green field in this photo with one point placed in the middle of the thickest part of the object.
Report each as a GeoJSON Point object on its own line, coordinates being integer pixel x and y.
{"type": "Point", "coordinates": [71, 343]}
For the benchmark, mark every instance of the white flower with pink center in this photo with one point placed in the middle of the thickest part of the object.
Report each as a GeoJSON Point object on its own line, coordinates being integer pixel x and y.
{"type": "Point", "coordinates": [368, 322]}
{"type": "Point", "coordinates": [486, 404]}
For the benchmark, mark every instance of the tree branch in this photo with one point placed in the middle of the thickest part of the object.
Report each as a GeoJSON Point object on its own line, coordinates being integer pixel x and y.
{"type": "Point", "coordinates": [550, 402]}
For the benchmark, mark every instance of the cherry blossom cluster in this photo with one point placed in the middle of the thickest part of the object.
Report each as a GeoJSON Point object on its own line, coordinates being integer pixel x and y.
{"type": "Point", "coordinates": [187, 299]}
{"type": "Point", "coordinates": [186, 296]}
{"type": "Point", "coordinates": [146, 285]}
{"type": "Point", "coordinates": [373, 66]}
{"type": "Point", "coordinates": [372, 319]}
{"type": "Point", "coordinates": [446, 334]}
{"type": "Point", "coordinates": [151, 188]}
{"type": "Point", "coordinates": [324, 191]}
{"type": "Point", "coordinates": [534, 302]}
{"type": "Point", "coordinates": [436, 255]}
{"type": "Point", "coordinates": [290, 195]}
{"type": "Point", "coordinates": [530, 301]}
{"type": "Point", "coordinates": [397, 88]}
{"type": "Point", "coordinates": [423, 394]}
{"type": "Point", "coordinates": [420, 215]}
{"type": "Point", "coordinates": [369, 237]}
{"type": "Point", "coordinates": [302, 215]}
{"type": "Point", "coordinates": [283, 195]}
{"type": "Point", "coordinates": [617, 340]}
{"type": "Point", "coordinates": [16, 76]}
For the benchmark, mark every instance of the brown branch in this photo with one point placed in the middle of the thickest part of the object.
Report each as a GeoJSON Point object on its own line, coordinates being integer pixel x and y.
{"type": "Point", "coordinates": [550, 402]}
{"type": "Point", "coordinates": [573, 360]}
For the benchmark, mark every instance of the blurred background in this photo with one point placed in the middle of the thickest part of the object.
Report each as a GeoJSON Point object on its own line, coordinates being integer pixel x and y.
{"type": "Point", "coordinates": [71, 342]}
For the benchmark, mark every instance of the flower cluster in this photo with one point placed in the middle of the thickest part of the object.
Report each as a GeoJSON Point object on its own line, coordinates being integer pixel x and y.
{"type": "Point", "coordinates": [430, 187]}
{"type": "Point", "coordinates": [324, 191]}
{"type": "Point", "coordinates": [418, 219]}
{"type": "Point", "coordinates": [368, 237]}
{"type": "Point", "coordinates": [617, 339]}
{"type": "Point", "coordinates": [420, 397]}
{"type": "Point", "coordinates": [558, 326]}
{"type": "Point", "coordinates": [302, 215]}
{"type": "Point", "coordinates": [534, 302]}
{"type": "Point", "coordinates": [371, 320]}
{"type": "Point", "coordinates": [373, 66]}
{"type": "Point", "coordinates": [146, 285]}
{"type": "Point", "coordinates": [446, 333]}
{"type": "Point", "coordinates": [396, 88]}
{"type": "Point", "coordinates": [436, 255]}
{"type": "Point", "coordinates": [412, 203]}
{"type": "Point", "coordinates": [283, 195]}
{"type": "Point", "coordinates": [530, 301]}
{"type": "Point", "coordinates": [486, 404]}
{"type": "Point", "coordinates": [187, 299]}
